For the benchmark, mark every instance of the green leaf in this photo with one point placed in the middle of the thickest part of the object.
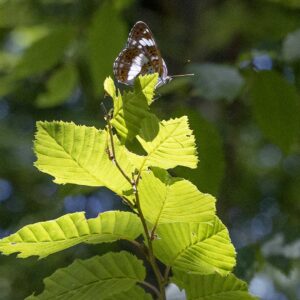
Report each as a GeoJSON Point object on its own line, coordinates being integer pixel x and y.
{"type": "Point", "coordinates": [99, 277]}
{"type": "Point", "coordinates": [144, 86]}
{"type": "Point", "coordinates": [54, 44]}
{"type": "Point", "coordinates": [168, 143]}
{"type": "Point", "coordinates": [106, 38]}
{"type": "Point", "coordinates": [77, 154]}
{"type": "Point", "coordinates": [7, 85]}
{"type": "Point", "coordinates": [212, 287]}
{"type": "Point", "coordinates": [165, 199]}
{"type": "Point", "coordinates": [45, 238]}
{"type": "Point", "coordinates": [197, 248]}
{"type": "Point", "coordinates": [208, 176]}
{"type": "Point", "coordinates": [275, 105]}
{"type": "Point", "coordinates": [132, 107]}
{"type": "Point", "coordinates": [289, 3]}
{"type": "Point", "coordinates": [59, 87]}
{"type": "Point", "coordinates": [7, 61]}
{"type": "Point", "coordinates": [17, 14]}
{"type": "Point", "coordinates": [291, 47]}
{"type": "Point", "coordinates": [110, 89]}
{"type": "Point", "coordinates": [135, 292]}
{"type": "Point", "coordinates": [216, 82]}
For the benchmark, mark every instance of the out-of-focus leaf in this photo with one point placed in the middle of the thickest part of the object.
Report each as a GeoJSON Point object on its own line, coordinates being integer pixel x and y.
{"type": "Point", "coordinates": [275, 105]}
{"type": "Point", "coordinates": [288, 284]}
{"type": "Point", "coordinates": [106, 38]}
{"type": "Point", "coordinates": [195, 248]}
{"type": "Point", "coordinates": [16, 13]}
{"type": "Point", "coordinates": [7, 85]}
{"type": "Point", "coordinates": [289, 3]}
{"type": "Point", "coordinates": [24, 36]}
{"type": "Point", "coordinates": [45, 238]}
{"type": "Point", "coordinates": [208, 176]}
{"type": "Point", "coordinates": [285, 265]}
{"type": "Point", "coordinates": [216, 36]}
{"type": "Point", "coordinates": [166, 199]}
{"type": "Point", "coordinates": [291, 46]}
{"type": "Point", "coordinates": [59, 87]}
{"type": "Point", "coordinates": [56, 1]}
{"type": "Point", "coordinates": [277, 246]}
{"type": "Point", "coordinates": [216, 82]}
{"type": "Point", "coordinates": [230, 19]}
{"type": "Point", "coordinates": [176, 85]}
{"type": "Point", "coordinates": [122, 4]}
{"type": "Point", "coordinates": [99, 277]}
{"type": "Point", "coordinates": [212, 287]}
{"type": "Point", "coordinates": [44, 53]}
{"type": "Point", "coordinates": [7, 61]}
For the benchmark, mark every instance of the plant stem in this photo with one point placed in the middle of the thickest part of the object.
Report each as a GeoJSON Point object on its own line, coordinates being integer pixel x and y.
{"type": "Point", "coordinates": [166, 274]}
{"type": "Point", "coordinates": [134, 183]}
{"type": "Point", "coordinates": [151, 257]}
{"type": "Point", "coordinates": [113, 154]}
{"type": "Point", "coordinates": [150, 286]}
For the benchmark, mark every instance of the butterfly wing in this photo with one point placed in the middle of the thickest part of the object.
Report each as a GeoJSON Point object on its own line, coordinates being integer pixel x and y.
{"type": "Point", "coordinates": [140, 56]}
{"type": "Point", "coordinates": [128, 65]}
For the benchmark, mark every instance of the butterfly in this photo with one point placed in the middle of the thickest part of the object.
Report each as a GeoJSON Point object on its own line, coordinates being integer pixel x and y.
{"type": "Point", "coordinates": [141, 56]}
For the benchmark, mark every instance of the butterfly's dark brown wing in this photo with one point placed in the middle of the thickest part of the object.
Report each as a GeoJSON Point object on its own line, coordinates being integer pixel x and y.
{"type": "Point", "coordinates": [140, 56]}
{"type": "Point", "coordinates": [128, 65]}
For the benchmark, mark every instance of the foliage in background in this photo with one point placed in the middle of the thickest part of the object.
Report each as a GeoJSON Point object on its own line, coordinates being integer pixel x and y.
{"type": "Point", "coordinates": [254, 169]}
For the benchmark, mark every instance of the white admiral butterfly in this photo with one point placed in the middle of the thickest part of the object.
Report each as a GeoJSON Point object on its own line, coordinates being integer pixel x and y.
{"type": "Point", "coordinates": [141, 56]}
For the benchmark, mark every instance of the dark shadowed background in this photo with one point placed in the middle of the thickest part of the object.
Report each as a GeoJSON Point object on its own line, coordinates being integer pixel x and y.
{"type": "Point", "coordinates": [243, 105]}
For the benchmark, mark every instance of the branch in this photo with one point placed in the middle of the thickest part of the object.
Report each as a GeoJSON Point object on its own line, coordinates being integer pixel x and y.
{"type": "Point", "coordinates": [150, 286]}
{"type": "Point", "coordinates": [112, 153]}
{"type": "Point", "coordinates": [166, 274]}
{"type": "Point", "coordinates": [151, 257]}
{"type": "Point", "coordinates": [134, 183]}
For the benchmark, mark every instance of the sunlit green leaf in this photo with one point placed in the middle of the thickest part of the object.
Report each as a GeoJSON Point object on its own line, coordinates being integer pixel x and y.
{"type": "Point", "coordinates": [45, 238]}
{"type": "Point", "coordinates": [78, 155]}
{"type": "Point", "coordinates": [110, 89]}
{"type": "Point", "coordinates": [212, 287]}
{"type": "Point", "coordinates": [208, 176]}
{"type": "Point", "coordinates": [59, 87]}
{"type": "Point", "coordinates": [216, 82]}
{"type": "Point", "coordinates": [196, 248]}
{"type": "Point", "coordinates": [275, 104]}
{"type": "Point", "coordinates": [100, 277]}
{"type": "Point", "coordinates": [106, 37]}
{"type": "Point", "coordinates": [132, 107]}
{"type": "Point", "coordinates": [34, 60]}
{"type": "Point", "coordinates": [168, 143]}
{"type": "Point", "coordinates": [166, 199]}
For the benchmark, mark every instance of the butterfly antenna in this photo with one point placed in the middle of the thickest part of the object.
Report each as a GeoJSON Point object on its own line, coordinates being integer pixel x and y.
{"type": "Point", "coordinates": [182, 75]}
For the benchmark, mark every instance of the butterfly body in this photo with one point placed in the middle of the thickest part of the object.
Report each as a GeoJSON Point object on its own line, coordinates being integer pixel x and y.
{"type": "Point", "coordinates": [139, 57]}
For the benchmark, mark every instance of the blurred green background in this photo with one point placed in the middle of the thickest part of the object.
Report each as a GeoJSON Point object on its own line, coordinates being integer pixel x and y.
{"type": "Point", "coordinates": [243, 106]}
